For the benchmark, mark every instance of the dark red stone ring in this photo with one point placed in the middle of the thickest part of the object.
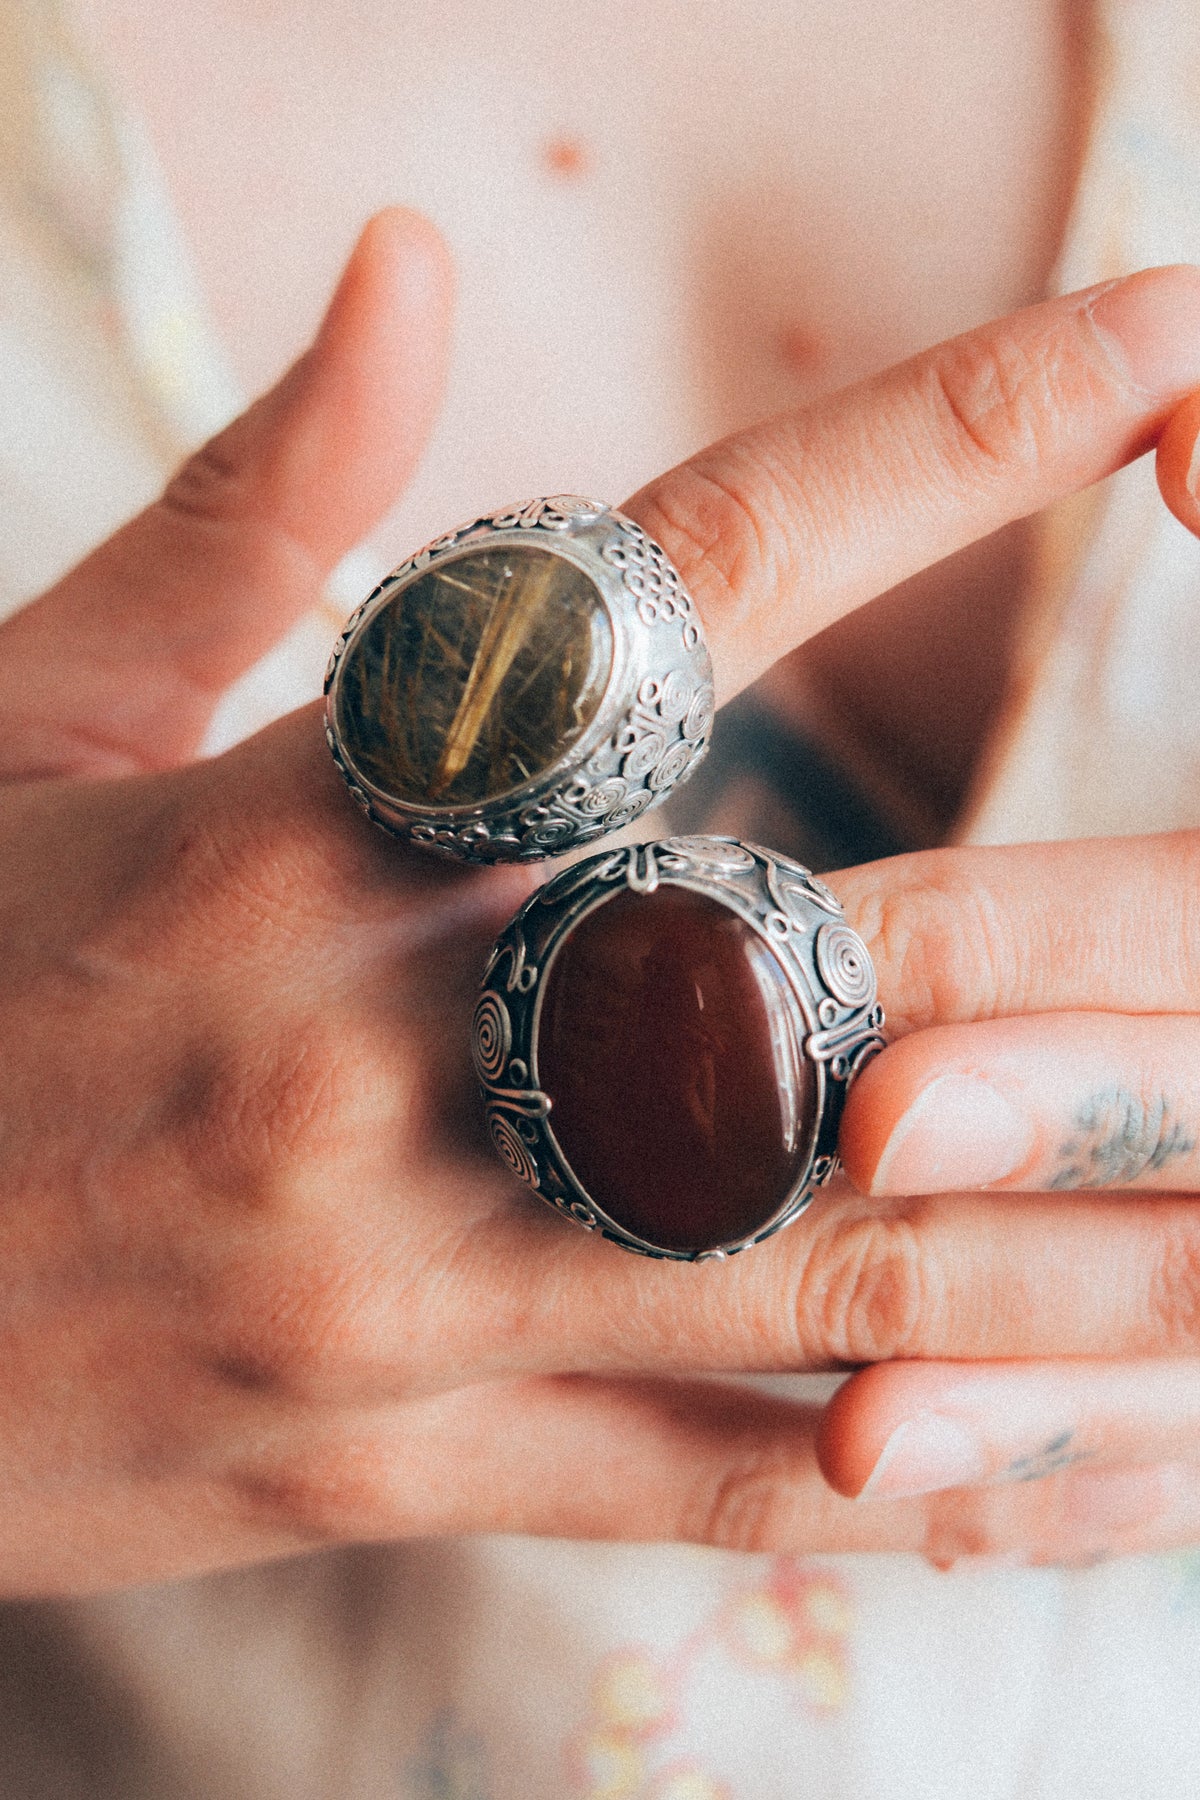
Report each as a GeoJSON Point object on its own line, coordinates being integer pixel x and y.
{"type": "Point", "coordinates": [665, 1038]}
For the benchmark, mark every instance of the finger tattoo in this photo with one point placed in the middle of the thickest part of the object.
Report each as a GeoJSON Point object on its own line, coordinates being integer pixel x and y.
{"type": "Point", "coordinates": [1118, 1137]}
{"type": "Point", "coordinates": [1057, 1453]}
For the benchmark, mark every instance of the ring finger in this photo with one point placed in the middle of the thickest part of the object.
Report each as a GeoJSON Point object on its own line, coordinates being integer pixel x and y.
{"type": "Point", "coordinates": [1039, 1103]}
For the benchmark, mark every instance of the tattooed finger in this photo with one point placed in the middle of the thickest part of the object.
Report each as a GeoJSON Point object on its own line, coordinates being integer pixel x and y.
{"type": "Point", "coordinates": [903, 1429]}
{"type": "Point", "coordinates": [1050, 1101]}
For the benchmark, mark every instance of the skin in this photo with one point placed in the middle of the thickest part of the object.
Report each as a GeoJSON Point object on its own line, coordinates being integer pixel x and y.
{"type": "Point", "coordinates": [790, 203]}
{"type": "Point", "coordinates": [1118, 1136]}
{"type": "Point", "coordinates": [266, 1288]}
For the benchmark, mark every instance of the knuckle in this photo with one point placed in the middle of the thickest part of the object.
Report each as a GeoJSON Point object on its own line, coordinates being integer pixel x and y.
{"type": "Point", "coordinates": [213, 485]}
{"type": "Point", "coordinates": [965, 1522]}
{"type": "Point", "coordinates": [865, 1290]}
{"type": "Point", "coordinates": [312, 1098]}
{"type": "Point", "coordinates": [1174, 1288]}
{"type": "Point", "coordinates": [942, 944]}
{"type": "Point", "coordinates": [1041, 1522]}
{"type": "Point", "coordinates": [306, 1332]}
{"type": "Point", "coordinates": [253, 1115]}
{"type": "Point", "coordinates": [200, 888]}
{"type": "Point", "coordinates": [249, 871]}
{"type": "Point", "coordinates": [752, 1507]}
{"type": "Point", "coordinates": [1002, 401]}
{"type": "Point", "coordinates": [324, 1495]}
{"type": "Point", "coordinates": [232, 882]}
{"type": "Point", "coordinates": [727, 547]}
{"type": "Point", "coordinates": [223, 512]}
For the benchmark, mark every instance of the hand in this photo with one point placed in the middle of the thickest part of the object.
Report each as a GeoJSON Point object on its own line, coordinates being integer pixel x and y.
{"type": "Point", "coordinates": [1051, 1056]}
{"type": "Point", "coordinates": [265, 1286]}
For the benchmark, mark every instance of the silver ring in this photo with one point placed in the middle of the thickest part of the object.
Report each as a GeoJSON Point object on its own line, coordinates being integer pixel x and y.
{"type": "Point", "coordinates": [521, 686]}
{"type": "Point", "coordinates": [665, 1037]}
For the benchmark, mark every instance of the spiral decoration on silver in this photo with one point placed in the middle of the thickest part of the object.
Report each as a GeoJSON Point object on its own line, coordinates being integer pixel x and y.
{"type": "Point", "coordinates": [821, 968]}
{"type": "Point", "coordinates": [491, 1037]}
{"type": "Point", "coordinates": [845, 965]}
{"type": "Point", "coordinates": [511, 1149]}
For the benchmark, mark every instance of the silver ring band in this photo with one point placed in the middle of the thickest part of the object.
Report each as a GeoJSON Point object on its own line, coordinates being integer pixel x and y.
{"type": "Point", "coordinates": [548, 652]}
{"type": "Point", "coordinates": [657, 1006]}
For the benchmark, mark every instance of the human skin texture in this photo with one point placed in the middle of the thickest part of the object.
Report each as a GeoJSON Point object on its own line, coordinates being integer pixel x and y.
{"type": "Point", "coordinates": [264, 1285]}
{"type": "Point", "coordinates": [755, 208]}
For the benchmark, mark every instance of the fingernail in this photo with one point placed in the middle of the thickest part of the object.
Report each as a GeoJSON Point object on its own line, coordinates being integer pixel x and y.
{"type": "Point", "coordinates": [924, 1454]}
{"type": "Point", "coordinates": [960, 1132]}
{"type": "Point", "coordinates": [1153, 321]}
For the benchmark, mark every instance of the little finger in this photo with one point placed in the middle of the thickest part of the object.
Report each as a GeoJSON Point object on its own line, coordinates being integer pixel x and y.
{"type": "Point", "coordinates": [901, 1429]}
{"type": "Point", "coordinates": [694, 1462]}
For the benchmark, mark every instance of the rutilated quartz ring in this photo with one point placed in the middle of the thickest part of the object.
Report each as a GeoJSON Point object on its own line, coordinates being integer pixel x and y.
{"type": "Point", "coordinates": [665, 1038]}
{"type": "Point", "coordinates": [522, 685]}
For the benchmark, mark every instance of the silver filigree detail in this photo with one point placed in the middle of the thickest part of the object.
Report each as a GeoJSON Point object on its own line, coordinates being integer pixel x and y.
{"type": "Point", "coordinates": [794, 888]}
{"type": "Point", "coordinates": [652, 580]}
{"type": "Point", "coordinates": [510, 1147]}
{"type": "Point", "coordinates": [641, 870]}
{"type": "Point", "coordinates": [783, 903]}
{"type": "Point", "coordinates": [602, 799]}
{"type": "Point", "coordinates": [632, 808]}
{"type": "Point", "coordinates": [669, 767]}
{"type": "Point", "coordinates": [699, 717]}
{"type": "Point", "coordinates": [675, 696]}
{"type": "Point", "coordinates": [491, 1037]}
{"type": "Point", "coordinates": [845, 965]}
{"type": "Point", "coordinates": [522, 975]}
{"type": "Point", "coordinates": [721, 856]}
{"type": "Point", "coordinates": [555, 513]}
{"type": "Point", "coordinates": [651, 728]}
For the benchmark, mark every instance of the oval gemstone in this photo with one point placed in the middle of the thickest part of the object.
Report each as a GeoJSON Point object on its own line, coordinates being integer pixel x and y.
{"type": "Point", "coordinates": [476, 677]}
{"type": "Point", "coordinates": [671, 1045]}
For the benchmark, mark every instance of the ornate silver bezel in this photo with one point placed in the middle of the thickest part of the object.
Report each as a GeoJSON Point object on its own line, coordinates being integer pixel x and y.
{"type": "Point", "coordinates": [826, 963]}
{"type": "Point", "coordinates": [650, 730]}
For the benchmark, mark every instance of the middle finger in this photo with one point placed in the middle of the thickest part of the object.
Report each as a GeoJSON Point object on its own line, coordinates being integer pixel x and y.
{"type": "Point", "coordinates": [780, 529]}
{"type": "Point", "coordinates": [856, 1281]}
{"type": "Point", "coordinates": [983, 932]}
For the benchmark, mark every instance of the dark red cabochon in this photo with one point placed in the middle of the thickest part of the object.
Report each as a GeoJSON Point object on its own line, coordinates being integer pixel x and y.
{"type": "Point", "coordinates": [671, 1047]}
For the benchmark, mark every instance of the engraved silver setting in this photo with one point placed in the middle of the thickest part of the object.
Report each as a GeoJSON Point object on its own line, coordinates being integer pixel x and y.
{"type": "Point", "coordinates": [652, 726]}
{"type": "Point", "coordinates": [828, 969]}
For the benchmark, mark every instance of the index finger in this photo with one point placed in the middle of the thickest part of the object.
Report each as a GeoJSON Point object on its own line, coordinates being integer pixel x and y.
{"type": "Point", "coordinates": [782, 528]}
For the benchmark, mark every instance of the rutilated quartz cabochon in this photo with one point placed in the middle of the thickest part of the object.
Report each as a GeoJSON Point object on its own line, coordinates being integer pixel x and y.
{"type": "Point", "coordinates": [665, 1038]}
{"type": "Point", "coordinates": [523, 685]}
{"type": "Point", "coordinates": [475, 678]}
